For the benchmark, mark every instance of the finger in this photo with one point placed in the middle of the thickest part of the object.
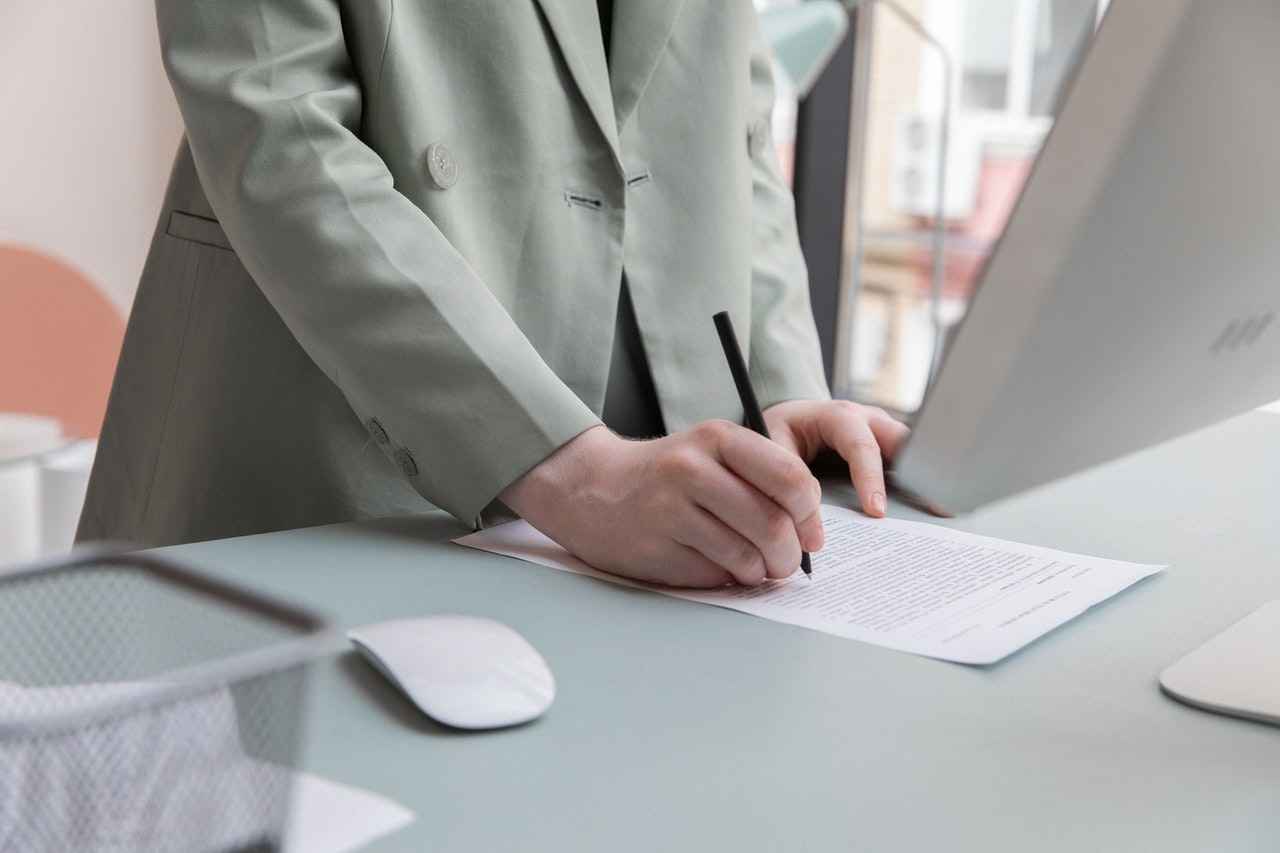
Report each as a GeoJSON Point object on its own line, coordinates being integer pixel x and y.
{"type": "Point", "coordinates": [856, 434]}
{"type": "Point", "coordinates": [724, 547]}
{"type": "Point", "coordinates": [780, 477]}
{"type": "Point", "coordinates": [890, 432]}
{"type": "Point", "coordinates": [755, 530]}
{"type": "Point", "coordinates": [688, 567]}
{"type": "Point", "coordinates": [693, 501]}
{"type": "Point", "coordinates": [754, 536]}
{"type": "Point", "coordinates": [697, 504]}
{"type": "Point", "coordinates": [654, 558]}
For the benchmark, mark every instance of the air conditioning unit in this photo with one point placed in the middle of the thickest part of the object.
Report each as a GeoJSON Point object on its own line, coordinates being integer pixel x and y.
{"type": "Point", "coordinates": [914, 164]}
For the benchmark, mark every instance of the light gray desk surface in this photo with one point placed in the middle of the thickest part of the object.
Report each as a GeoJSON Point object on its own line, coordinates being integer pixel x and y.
{"type": "Point", "coordinates": [684, 727]}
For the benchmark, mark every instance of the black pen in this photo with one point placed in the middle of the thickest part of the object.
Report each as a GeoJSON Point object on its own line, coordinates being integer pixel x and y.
{"type": "Point", "coordinates": [746, 393]}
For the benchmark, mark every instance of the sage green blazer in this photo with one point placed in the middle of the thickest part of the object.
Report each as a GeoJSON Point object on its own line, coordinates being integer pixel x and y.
{"type": "Point", "coordinates": [388, 263]}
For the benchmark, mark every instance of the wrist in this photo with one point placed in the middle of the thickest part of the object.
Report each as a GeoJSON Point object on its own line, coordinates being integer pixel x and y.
{"type": "Point", "coordinates": [536, 493]}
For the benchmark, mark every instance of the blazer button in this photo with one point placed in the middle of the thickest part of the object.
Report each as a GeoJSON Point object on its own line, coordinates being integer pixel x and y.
{"type": "Point", "coordinates": [758, 138]}
{"type": "Point", "coordinates": [375, 429]}
{"type": "Point", "coordinates": [405, 460]}
{"type": "Point", "coordinates": [441, 166]}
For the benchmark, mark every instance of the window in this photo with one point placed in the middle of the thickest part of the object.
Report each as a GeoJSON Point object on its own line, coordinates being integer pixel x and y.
{"type": "Point", "coordinates": [1008, 61]}
{"type": "Point", "coordinates": [1014, 55]}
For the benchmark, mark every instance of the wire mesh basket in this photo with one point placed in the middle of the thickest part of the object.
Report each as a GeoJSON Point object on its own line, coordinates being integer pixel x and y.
{"type": "Point", "coordinates": [144, 707]}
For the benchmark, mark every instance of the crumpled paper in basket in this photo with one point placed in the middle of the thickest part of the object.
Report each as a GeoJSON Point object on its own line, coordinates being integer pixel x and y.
{"type": "Point", "coordinates": [132, 775]}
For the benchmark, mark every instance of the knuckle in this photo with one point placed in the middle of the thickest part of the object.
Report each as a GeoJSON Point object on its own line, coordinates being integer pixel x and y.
{"type": "Point", "coordinates": [779, 527]}
{"type": "Point", "coordinates": [713, 430]}
{"type": "Point", "coordinates": [814, 489]}
{"type": "Point", "coordinates": [802, 492]}
{"type": "Point", "coordinates": [784, 562]}
{"type": "Point", "coordinates": [848, 406]}
{"type": "Point", "coordinates": [861, 411]}
{"type": "Point", "coordinates": [696, 570]}
{"type": "Point", "coordinates": [862, 443]}
{"type": "Point", "coordinates": [798, 472]}
{"type": "Point", "coordinates": [683, 462]}
{"type": "Point", "coordinates": [748, 562]}
{"type": "Point", "coordinates": [785, 567]}
{"type": "Point", "coordinates": [783, 547]}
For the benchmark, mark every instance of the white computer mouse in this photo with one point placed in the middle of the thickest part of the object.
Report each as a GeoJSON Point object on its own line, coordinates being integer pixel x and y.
{"type": "Point", "coordinates": [464, 671]}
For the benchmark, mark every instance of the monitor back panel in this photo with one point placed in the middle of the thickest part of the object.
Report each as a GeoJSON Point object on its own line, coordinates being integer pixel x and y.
{"type": "Point", "coordinates": [1135, 293]}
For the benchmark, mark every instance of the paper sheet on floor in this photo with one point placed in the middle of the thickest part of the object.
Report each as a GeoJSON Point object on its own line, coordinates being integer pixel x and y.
{"type": "Point", "coordinates": [331, 817]}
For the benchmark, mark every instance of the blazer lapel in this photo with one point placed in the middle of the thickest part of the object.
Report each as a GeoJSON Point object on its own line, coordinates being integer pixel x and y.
{"type": "Point", "coordinates": [640, 34]}
{"type": "Point", "coordinates": [576, 26]}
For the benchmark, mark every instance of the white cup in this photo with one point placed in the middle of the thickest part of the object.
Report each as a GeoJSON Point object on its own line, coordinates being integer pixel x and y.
{"type": "Point", "coordinates": [23, 439]}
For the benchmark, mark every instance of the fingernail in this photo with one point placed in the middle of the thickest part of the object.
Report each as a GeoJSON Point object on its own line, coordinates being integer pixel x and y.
{"type": "Point", "coordinates": [878, 503]}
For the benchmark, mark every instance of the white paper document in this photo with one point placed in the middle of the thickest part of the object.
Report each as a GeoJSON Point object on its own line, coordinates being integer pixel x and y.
{"type": "Point", "coordinates": [332, 817]}
{"type": "Point", "coordinates": [906, 585]}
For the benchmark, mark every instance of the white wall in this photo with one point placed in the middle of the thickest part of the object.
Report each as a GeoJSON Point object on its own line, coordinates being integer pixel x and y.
{"type": "Point", "coordinates": [88, 129]}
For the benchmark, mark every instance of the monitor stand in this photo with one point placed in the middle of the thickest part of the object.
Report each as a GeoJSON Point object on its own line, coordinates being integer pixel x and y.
{"type": "Point", "coordinates": [1237, 672]}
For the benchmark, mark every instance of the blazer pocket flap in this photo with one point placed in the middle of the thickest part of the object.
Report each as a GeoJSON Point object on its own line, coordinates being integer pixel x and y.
{"type": "Point", "coordinates": [197, 229]}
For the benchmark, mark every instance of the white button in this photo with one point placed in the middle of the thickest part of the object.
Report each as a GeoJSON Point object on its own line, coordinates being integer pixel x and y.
{"type": "Point", "coordinates": [375, 429]}
{"type": "Point", "coordinates": [441, 165]}
{"type": "Point", "coordinates": [758, 137]}
{"type": "Point", "coordinates": [404, 459]}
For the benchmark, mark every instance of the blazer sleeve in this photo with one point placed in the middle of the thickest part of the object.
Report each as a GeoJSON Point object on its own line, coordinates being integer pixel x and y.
{"type": "Point", "coordinates": [364, 280]}
{"type": "Point", "coordinates": [786, 356]}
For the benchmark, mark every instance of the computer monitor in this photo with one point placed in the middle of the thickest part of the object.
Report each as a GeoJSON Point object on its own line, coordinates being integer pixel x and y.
{"type": "Point", "coordinates": [1134, 293]}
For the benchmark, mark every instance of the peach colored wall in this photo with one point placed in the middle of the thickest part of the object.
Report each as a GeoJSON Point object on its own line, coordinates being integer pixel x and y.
{"type": "Point", "coordinates": [59, 366]}
{"type": "Point", "coordinates": [88, 128]}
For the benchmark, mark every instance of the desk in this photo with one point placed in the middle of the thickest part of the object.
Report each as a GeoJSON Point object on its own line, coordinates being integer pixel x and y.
{"type": "Point", "coordinates": [685, 727]}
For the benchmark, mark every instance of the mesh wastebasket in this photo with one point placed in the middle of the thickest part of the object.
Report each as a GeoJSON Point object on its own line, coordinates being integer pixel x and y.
{"type": "Point", "coordinates": [144, 707]}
